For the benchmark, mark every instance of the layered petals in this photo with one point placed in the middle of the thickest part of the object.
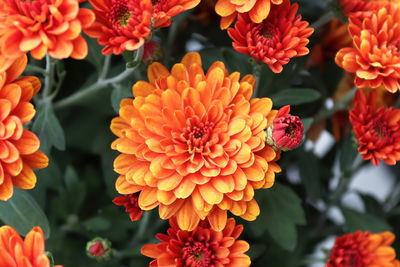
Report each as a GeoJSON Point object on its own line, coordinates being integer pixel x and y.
{"type": "Point", "coordinates": [201, 247]}
{"type": "Point", "coordinates": [17, 252]}
{"type": "Point", "coordinates": [19, 152]}
{"type": "Point", "coordinates": [193, 143]}
{"type": "Point", "coordinates": [121, 24]}
{"type": "Point", "coordinates": [364, 249]}
{"type": "Point", "coordinates": [43, 26]}
{"type": "Point", "coordinates": [374, 57]}
{"type": "Point", "coordinates": [164, 10]}
{"type": "Point", "coordinates": [377, 129]}
{"type": "Point", "coordinates": [274, 40]}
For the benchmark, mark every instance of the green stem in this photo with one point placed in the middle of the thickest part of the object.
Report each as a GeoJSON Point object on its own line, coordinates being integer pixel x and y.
{"type": "Point", "coordinates": [92, 90]}
{"type": "Point", "coordinates": [257, 73]}
{"type": "Point", "coordinates": [106, 67]}
{"type": "Point", "coordinates": [33, 68]}
{"type": "Point", "coordinates": [49, 77]}
{"type": "Point", "coordinates": [323, 20]}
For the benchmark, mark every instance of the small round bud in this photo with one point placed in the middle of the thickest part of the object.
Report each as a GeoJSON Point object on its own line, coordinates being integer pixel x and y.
{"type": "Point", "coordinates": [286, 131]}
{"type": "Point", "coordinates": [99, 249]}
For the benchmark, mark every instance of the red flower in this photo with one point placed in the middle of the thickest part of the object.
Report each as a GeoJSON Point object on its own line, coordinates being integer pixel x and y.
{"type": "Point", "coordinates": [199, 248]}
{"type": "Point", "coordinates": [363, 249]}
{"type": "Point", "coordinates": [121, 24]}
{"type": "Point", "coordinates": [377, 130]}
{"type": "Point", "coordinates": [355, 7]}
{"type": "Point", "coordinates": [286, 131]}
{"type": "Point", "coordinates": [131, 204]}
{"type": "Point", "coordinates": [164, 10]}
{"type": "Point", "coordinates": [274, 41]}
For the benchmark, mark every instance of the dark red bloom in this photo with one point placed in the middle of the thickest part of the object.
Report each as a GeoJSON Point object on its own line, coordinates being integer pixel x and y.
{"type": "Point", "coordinates": [377, 130]}
{"type": "Point", "coordinates": [131, 204]}
{"type": "Point", "coordinates": [274, 41]}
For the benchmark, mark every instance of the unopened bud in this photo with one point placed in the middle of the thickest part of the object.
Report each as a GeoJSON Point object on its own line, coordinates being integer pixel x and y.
{"type": "Point", "coordinates": [152, 52]}
{"type": "Point", "coordinates": [99, 249]}
{"type": "Point", "coordinates": [286, 131]}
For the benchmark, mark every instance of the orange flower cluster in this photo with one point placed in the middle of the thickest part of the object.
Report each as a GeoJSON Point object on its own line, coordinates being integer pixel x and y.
{"type": "Point", "coordinates": [201, 247]}
{"type": "Point", "coordinates": [377, 130]}
{"type": "Point", "coordinates": [194, 144]}
{"type": "Point", "coordinates": [18, 147]}
{"type": "Point", "coordinates": [274, 40]}
{"type": "Point", "coordinates": [125, 25]}
{"type": "Point", "coordinates": [364, 249]}
{"type": "Point", "coordinates": [15, 252]}
{"type": "Point", "coordinates": [375, 55]}
{"type": "Point", "coordinates": [257, 10]}
{"type": "Point", "coordinates": [43, 26]}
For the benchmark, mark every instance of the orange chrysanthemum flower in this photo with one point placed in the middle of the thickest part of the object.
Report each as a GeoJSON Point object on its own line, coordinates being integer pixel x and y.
{"type": "Point", "coordinates": [258, 10]}
{"type": "Point", "coordinates": [18, 147]}
{"type": "Point", "coordinates": [17, 252]}
{"type": "Point", "coordinates": [362, 249]}
{"type": "Point", "coordinates": [377, 130]}
{"type": "Point", "coordinates": [274, 41]}
{"type": "Point", "coordinates": [194, 144]}
{"type": "Point", "coordinates": [43, 26]}
{"type": "Point", "coordinates": [121, 24]}
{"type": "Point", "coordinates": [201, 247]}
{"type": "Point", "coordinates": [164, 10]}
{"type": "Point", "coordinates": [375, 57]}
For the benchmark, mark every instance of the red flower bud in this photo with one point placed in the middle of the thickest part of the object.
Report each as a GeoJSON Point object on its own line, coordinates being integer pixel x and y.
{"type": "Point", "coordinates": [99, 249]}
{"type": "Point", "coordinates": [131, 204]}
{"type": "Point", "coordinates": [151, 52]}
{"type": "Point", "coordinates": [286, 131]}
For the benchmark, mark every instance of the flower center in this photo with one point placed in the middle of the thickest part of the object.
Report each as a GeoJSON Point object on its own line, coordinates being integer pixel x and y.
{"type": "Point", "coordinates": [381, 129]}
{"type": "Point", "coordinates": [119, 14]}
{"type": "Point", "coordinates": [198, 135]}
{"type": "Point", "coordinates": [197, 254]}
{"type": "Point", "coordinates": [268, 30]}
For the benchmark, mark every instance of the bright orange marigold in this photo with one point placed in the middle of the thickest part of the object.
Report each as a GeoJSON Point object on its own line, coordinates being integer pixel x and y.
{"type": "Point", "coordinates": [377, 130]}
{"type": "Point", "coordinates": [18, 147]}
{"type": "Point", "coordinates": [15, 252]}
{"type": "Point", "coordinates": [275, 40]}
{"type": "Point", "coordinates": [363, 249]}
{"type": "Point", "coordinates": [194, 144]}
{"type": "Point", "coordinates": [375, 57]}
{"type": "Point", "coordinates": [201, 247]}
{"type": "Point", "coordinates": [258, 10]}
{"type": "Point", "coordinates": [43, 26]}
{"type": "Point", "coordinates": [164, 10]}
{"type": "Point", "coordinates": [121, 24]}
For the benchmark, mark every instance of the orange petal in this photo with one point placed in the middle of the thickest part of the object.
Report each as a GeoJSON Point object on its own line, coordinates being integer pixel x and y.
{"type": "Point", "coordinates": [186, 217]}
{"type": "Point", "coordinates": [6, 188]}
{"type": "Point", "coordinates": [142, 88]}
{"type": "Point", "coordinates": [260, 11]}
{"type": "Point", "coordinates": [28, 143]}
{"type": "Point", "coordinates": [16, 68]}
{"type": "Point", "coordinates": [37, 160]}
{"type": "Point", "coordinates": [190, 59]}
{"type": "Point", "coordinates": [156, 71]}
{"type": "Point", "coordinates": [217, 219]}
{"type": "Point", "coordinates": [34, 244]}
{"type": "Point", "coordinates": [80, 48]}
{"type": "Point", "coordinates": [224, 8]}
{"type": "Point", "coordinates": [123, 187]}
{"type": "Point", "coordinates": [26, 179]}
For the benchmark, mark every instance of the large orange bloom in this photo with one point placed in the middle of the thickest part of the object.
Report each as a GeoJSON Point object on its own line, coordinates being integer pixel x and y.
{"type": "Point", "coordinates": [194, 144]}
{"type": "Point", "coordinates": [18, 146]}
{"type": "Point", "coordinates": [257, 10]}
{"type": "Point", "coordinates": [121, 24]}
{"type": "Point", "coordinates": [15, 252]}
{"type": "Point", "coordinates": [164, 10]}
{"type": "Point", "coordinates": [201, 247]}
{"type": "Point", "coordinates": [275, 40]}
{"type": "Point", "coordinates": [43, 26]}
{"type": "Point", "coordinates": [375, 57]}
{"type": "Point", "coordinates": [377, 130]}
{"type": "Point", "coordinates": [363, 249]}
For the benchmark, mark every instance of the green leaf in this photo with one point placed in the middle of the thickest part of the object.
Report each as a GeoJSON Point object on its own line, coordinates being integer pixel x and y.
{"type": "Point", "coordinates": [349, 156]}
{"type": "Point", "coordinates": [310, 174]}
{"type": "Point", "coordinates": [118, 93]}
{"type": "Point", "coordinates": [75, 191]}
{"type": "Point", "coordinates": [281, 211]}
{"type": "Point", "coordinates": [23, 213]}
{"type": "Point", "coordinates": [307, 122]}
{"type": "Point", "coordinates": [356, 220]}
{"type": "Point", "coordinates": [48, 128]}
{"type": "Point", "coordinates": [295, 96]}
{"type": "Point", "coordinates": [97, 224]}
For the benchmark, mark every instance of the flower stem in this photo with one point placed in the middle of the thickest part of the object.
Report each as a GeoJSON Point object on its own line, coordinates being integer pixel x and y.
{"type": "Point", "coordinates": [49, 76]}
{"type": "Point", "coordinates": [257, 73]}
{"type": "Point", "coordinates": [106, 67]}
{"type": "Point", "coordinates": [323, 20]}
